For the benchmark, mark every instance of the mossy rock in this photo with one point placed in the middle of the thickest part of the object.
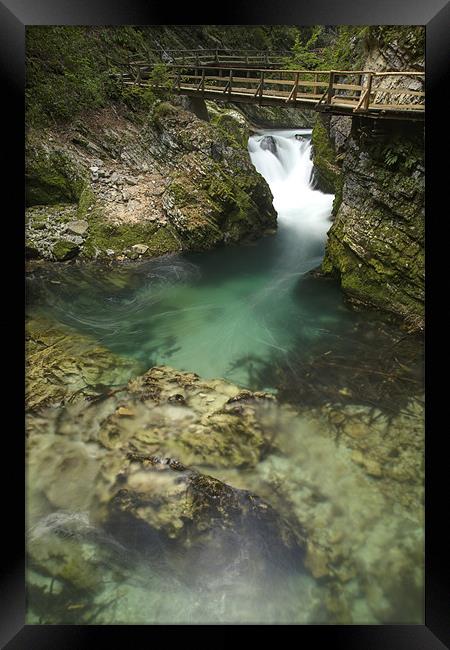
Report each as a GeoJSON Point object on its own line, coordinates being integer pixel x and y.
{"type": "Point", "coordinates": [51, 177]}
{"type": "Point", "coordinates": [327, 171]}
{"type": "Point", "coordinates": [65, 250]}
{"type": "Point", "coordinates": [199, 513]}
{"type": "Point", "coordinates": [163, 241]}
{"type": "Point", "coordinates": [234, 130]}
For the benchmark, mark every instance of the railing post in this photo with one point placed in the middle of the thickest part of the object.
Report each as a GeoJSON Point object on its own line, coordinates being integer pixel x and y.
{"type": "Point", "coordinates": [231, 81]}
{"type": "Point", "coordinates": [261, 90]}
{"type": "Point", "coordinates": [366, 102]}
{"type": "Point", "coordinates": [297, 79]}
{"type": "Point", "coordinates": [203, 80]}
{"type": "Point", "coordinates": [330, 87]}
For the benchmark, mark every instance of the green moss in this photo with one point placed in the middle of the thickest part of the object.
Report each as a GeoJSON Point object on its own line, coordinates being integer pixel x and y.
{"type": "Point", "coordinates": [86, 202]}
{"type": "Point", "coordinates": [163, 241]}
{"type": "Point", "coordinates": [52, 177]}
{"type": "Point", "coordinates": [372, 281]}
{"type": "Point", "coordinates": [160, 111]}
{"type": "Point", "coordinates": [338, 193]}
{"type": "Point", "coordinates": [234, 133]}
{"type": "Point", "coordinates": [103, 235]}
{"type": "Point", "coordinates": [327, 171]}
{"type": "Point", "coordinates": [64, 250]}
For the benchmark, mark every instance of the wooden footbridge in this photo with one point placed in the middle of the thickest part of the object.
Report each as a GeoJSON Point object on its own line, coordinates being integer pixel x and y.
{"type": "Point", "coordinates": [216, 57]}
{"type": "Point", "coordinates": [394, 95]}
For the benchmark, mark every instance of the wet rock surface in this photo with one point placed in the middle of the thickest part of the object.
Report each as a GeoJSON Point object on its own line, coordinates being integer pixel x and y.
{"type": "Point", "coordinates": [376, 243]}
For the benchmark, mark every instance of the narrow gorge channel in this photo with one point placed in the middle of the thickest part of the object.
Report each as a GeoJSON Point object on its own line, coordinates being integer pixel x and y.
{"type": "Point", "coordinates": [342, 457]}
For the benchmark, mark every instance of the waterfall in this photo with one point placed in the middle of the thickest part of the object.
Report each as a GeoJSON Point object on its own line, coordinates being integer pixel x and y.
{"type": "Point", "coordinates": [283, 158]}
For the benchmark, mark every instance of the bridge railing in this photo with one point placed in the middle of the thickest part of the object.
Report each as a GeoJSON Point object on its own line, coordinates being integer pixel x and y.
{"type": "Point", "coordinates": [205, 56]}
{"type": "Point", "coordinates": [352, 90]}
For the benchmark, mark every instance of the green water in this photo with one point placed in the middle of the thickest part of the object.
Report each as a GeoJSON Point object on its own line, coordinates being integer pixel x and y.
{"type": "Point", "coordinates": [255, 315]}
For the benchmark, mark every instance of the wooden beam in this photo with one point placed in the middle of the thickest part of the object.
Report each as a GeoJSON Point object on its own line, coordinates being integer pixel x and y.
{"type": "Point", "coordinates": [330, 87]}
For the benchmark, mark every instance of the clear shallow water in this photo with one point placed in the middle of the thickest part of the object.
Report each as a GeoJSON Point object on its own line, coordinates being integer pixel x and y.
{"type": "Point", "coordinates": [252, 314]}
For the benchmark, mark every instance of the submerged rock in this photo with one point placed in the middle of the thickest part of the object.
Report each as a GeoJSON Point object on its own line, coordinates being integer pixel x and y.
{"type": "Point", "coordinates": [108, 460]}
{"type": "Point", "coordinates": [168, 413]}
{"type": "Point", "coordinates": [63, 364]}
{"type": "Point", "coordinates": [221, 529]}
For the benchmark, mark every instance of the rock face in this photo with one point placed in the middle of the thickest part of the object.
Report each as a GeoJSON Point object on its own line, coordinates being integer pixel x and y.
{"type": "Point", "coordinates": [376, 170]}
{"type": "Point", "coordinates": [376, 243]}
{"type": "Point", "coordinates": [168, 182]}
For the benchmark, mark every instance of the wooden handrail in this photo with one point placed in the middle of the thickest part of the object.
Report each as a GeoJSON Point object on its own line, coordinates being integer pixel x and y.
{"type": "Point", "coordinates": [343, 91]}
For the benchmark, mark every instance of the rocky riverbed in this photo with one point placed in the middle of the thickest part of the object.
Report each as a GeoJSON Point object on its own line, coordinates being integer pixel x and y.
{"type": "Point", "coordinates": [219, 490]}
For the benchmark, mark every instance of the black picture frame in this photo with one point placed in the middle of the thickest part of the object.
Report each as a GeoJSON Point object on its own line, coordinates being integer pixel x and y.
{"type": "Point", "coordinates": [15, 15]}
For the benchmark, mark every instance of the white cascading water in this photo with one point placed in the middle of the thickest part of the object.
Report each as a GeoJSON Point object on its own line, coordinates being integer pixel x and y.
{"type": "Point", "coordinates": [284, 159]}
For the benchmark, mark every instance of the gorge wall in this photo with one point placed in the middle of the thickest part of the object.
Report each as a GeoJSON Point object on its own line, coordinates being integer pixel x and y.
{"type": "Point", "coordinates": [376, 170]}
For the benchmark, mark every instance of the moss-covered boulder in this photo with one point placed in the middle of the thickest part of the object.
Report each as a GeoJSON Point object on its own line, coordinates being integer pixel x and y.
{"type": "Point", "coordinates": [64, 250]}
{"type": "Point", "coordinates": [51, 173]}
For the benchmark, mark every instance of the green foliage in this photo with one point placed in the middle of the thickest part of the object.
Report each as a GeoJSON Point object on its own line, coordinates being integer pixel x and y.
{"type": "Point", "coordinates": [62, 74]}
{"type": "Point", "coordinates": [303, 56]}
{"type": "Point", "coordinates": [160, 85]}
{"type": "Point", "coordinates": [401, 156]}
{"type": "Point", "coordinates": [69, 69]}
{"type": "Point", "coordinates": [349, 49]}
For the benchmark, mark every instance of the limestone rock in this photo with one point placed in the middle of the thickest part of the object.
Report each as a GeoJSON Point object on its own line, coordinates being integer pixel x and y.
{"type": "Point", "coordinates": [269, 143]}
{"type": "Point", "coordinates": [140, 249]}
{"type": "Point", "coordinates": [78, 227]}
